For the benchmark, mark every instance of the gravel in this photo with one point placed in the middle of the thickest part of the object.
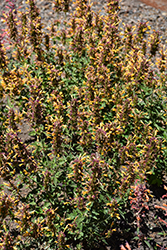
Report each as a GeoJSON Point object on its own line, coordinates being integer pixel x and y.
{"type": "Point", "coordinates": [131, 12]}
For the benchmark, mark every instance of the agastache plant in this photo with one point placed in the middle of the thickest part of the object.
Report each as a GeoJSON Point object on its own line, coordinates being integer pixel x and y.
{"type": "Point", "coordinates": [12, 25]}
{"type": "Point", "coordinates": [83, 127]}
{"type": "Point", "coordinates": [154, 44]}
{"type": "Point", "coordinates": [8, 242]}
{"type": "Point", "coordinates": [139, 201]}
{"type": "Point", "coordinates": [163, 207]}
{"type": "Point", "coordinates": [3, 59]}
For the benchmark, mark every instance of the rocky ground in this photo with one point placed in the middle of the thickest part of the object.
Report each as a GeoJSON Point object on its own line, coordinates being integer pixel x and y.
{"type": "Point", "coordinates": [131, 12]}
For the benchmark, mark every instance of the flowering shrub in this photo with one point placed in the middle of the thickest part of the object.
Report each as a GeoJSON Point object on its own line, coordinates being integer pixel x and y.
{"type": "Point", "coordinates": [96, 110]}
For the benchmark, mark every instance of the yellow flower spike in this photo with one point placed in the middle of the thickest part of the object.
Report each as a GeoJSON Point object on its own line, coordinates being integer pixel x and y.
{"type": "Point", "coordinates": [3, 84]}
{"type": "Point", "coordinates": [6, 184]}
{"type": "Point", "coordinates": [4, 226]}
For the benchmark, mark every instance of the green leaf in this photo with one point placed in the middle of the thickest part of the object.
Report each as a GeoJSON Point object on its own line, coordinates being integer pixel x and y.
{"type": "Point", "coordinates": [32, 133]}
{"type": "Point", "coordinates": [46, 204]}
{"type": "Point", "coordinates": [33, 203]}
{"type": "Point", "coordinates": [148, 244]}
{"type": "Point", "coordinates": [136, 238]}
{"type": "Point", "coordinates": [39, 210]}
{"type": "Point", "coordinates": [81, 234]}
{"type": "Point", "coordinates": [10, 105]}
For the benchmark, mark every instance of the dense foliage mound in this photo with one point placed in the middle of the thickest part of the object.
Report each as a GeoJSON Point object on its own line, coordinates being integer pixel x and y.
{"type": "Point", "coordinates": [93, 94]}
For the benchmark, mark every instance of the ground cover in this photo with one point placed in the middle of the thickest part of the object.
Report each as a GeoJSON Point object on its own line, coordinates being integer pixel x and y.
{"type": "Point", "coordinates": [93, 97]}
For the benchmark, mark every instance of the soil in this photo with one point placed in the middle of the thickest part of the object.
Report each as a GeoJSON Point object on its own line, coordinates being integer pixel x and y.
{"type": "Point", "coordinates": [150, 226]}
{"type": "Point", "coordinates": [160, 4]}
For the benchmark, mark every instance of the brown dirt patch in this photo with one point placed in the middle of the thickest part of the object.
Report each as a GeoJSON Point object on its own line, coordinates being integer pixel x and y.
{"type": "Point", "coordinates": [160, 4]}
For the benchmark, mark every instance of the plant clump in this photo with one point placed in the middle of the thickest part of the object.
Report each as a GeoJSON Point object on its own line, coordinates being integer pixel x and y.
{"type": "Point", "coordinates": [96, 107]}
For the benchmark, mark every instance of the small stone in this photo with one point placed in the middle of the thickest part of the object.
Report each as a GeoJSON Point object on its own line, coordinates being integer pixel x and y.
{"type": "Point", "coordinates": [141, 5]}
{"type": "Point", "coordinates": [164, 14]}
